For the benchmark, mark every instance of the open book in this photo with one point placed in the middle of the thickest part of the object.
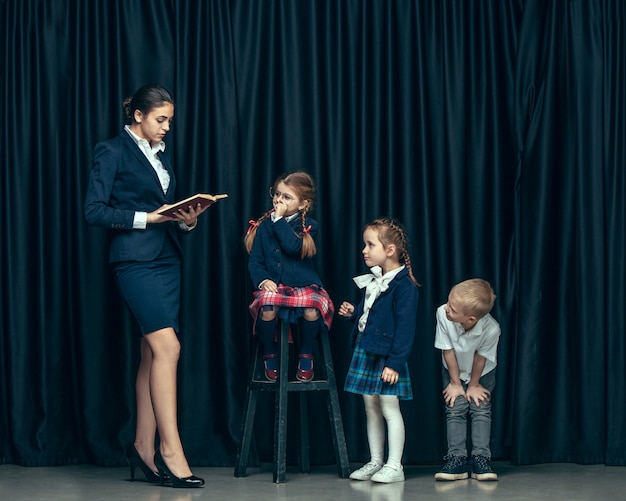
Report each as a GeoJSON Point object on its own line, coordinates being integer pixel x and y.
{"type": "Point", "coordinates": [204, 199]}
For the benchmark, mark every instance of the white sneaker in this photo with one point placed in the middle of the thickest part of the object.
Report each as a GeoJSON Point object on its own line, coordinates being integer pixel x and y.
{"type": "Point", "coordinates": [366, 471]}
{"type": "Point", "coordinates": [388, 474]}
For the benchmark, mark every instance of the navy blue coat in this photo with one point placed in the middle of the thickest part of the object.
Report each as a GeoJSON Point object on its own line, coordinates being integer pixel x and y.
{"type": "Point", "coordinates": [276, 254]}
{"type": "Point", "coordinates": [390, 327]}
{"type": "Point", "coordinates": [122, 181]}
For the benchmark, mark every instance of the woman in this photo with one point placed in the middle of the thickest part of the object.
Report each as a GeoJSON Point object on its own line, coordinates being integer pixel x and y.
{"type": "Point", "coordinates": [131, 180]}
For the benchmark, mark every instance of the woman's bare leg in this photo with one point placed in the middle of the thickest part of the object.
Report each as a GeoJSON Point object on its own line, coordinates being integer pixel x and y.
{"type": "Point", "coordinates": [165, 349]}
{"type": "Point", "coordinates": [145, 432]}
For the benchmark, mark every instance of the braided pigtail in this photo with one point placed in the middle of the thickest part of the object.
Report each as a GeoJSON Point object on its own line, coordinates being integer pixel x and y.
{"type": "Point", "coordinates": [404, 248]}
{"type": "Point", "coordinates": [407, 263]}
{"type": "Point", "coordinates": [248, 240]}
{"type": "Point", "coordinates": [308, 244]}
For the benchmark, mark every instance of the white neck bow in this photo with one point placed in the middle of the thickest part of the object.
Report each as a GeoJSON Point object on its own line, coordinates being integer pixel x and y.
{"type": "Point", "coordinates": [375, 283]}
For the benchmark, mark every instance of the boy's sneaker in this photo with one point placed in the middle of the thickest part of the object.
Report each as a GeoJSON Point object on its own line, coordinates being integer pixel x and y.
{"type": "Point", "coordinates": [481, 469]}
{"type": "Point", "coordinates": [366, 471]}
{"type": "Point", "coordinates": [455, 468]}
{"type": "Point", "coordinates": [388, 474]}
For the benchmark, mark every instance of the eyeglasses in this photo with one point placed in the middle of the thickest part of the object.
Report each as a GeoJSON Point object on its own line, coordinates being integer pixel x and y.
{"type": "Point", "coordinates": [277, 194]}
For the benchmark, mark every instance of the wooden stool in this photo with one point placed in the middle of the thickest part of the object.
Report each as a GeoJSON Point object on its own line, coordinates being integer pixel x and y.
{"type": "Point", "coordinates": [282, 387]}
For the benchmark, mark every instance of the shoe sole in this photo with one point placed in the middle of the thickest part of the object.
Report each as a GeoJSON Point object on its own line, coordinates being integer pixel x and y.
{"type": "Point", "coordinates": [388, 481]}
{"type": "Point", "coordinates": [485, 477]}
{"type": "Point", "coordinates": [451, 476]}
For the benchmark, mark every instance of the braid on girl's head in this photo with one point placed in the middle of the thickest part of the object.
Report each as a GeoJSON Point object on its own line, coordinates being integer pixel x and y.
{"type": "Point", "coordinates": [404, 254]}
{"type": "Point", "coordinates": [308, 244]}
{"type": "Point", "coordinates": [303, 217]}
{"type": "Point", "coordinates": [248, 240]}
{"type": "Point", "coordinates": [407, 263]}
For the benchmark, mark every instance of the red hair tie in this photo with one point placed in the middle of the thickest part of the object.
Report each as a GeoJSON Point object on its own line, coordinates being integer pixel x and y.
{"type": "Point", "coordinates": [253, 224]}
{"type": "Point", "coordinates": [307, 229]}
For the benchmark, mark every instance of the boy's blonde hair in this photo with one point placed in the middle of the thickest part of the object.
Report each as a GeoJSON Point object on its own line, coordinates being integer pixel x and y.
{"type": "Point", "coordinates": [476, 296]}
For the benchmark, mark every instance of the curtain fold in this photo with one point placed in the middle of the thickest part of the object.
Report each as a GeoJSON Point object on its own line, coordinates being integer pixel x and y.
{"type": "Point", "coordinates": [614, 225]}
{"type": "Point", "coordinates": [494, 131]}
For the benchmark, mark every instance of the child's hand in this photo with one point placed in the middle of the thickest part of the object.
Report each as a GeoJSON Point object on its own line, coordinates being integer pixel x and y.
{"type": "Point", "coordinates": [478, 394]}
{"type": "Point", "coordinates": [269, 285]}
{"type": "Point", "coordinates": [280, 208]}
{"type": "Point", "coordinates": [346, 309]}
{"type": "Point", "coordinates": [390, 376]}
{"type": "Point", "coordinates": [452, 392]}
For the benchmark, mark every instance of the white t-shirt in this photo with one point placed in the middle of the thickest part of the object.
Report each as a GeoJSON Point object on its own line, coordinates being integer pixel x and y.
{"type": "Point", "coordinates": [482, 339]}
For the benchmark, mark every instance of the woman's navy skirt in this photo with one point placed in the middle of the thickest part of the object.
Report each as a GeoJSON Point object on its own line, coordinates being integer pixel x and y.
{"type": "Point", "coordinates": [151, 289]}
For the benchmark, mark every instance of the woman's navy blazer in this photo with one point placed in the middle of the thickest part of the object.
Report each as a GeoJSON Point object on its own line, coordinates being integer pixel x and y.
{"type": "Point", "coordinates": [122, 181]}
{"type": "Point", "coordinates": [390, 327]}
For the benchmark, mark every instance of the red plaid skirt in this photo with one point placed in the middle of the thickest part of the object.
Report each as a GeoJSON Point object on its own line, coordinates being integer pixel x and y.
{"type": "Point", "coordinates": [291, 302]}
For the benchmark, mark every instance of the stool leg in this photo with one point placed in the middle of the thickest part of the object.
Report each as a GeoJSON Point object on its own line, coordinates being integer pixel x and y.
{"type": "Point", "coordinates": [308, 334]}
{"type": "Point", "coordinates": [247, 422]}
{"type": "Point", "coordinates": [246, 435]}
{"type": "Point", "coordinates": [334, 411]}
{"type": "Point", "coordinates": [305, 463]}
{"type": "Point", "coordinates": [280, 419]}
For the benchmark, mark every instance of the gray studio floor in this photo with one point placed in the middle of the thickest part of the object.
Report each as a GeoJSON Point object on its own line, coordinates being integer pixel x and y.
{"type": "Point", "coordinates": [552, 482]}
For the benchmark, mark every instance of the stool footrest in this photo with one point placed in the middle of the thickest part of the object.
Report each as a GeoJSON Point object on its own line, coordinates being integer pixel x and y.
{"type": "Point", "coordinates": [316, 385]}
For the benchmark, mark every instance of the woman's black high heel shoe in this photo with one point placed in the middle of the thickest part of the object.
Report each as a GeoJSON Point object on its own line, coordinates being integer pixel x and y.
{"type": "Point", "coordinates": [134, 460]}
{"type": "Point", "coordinates": [164, 471]}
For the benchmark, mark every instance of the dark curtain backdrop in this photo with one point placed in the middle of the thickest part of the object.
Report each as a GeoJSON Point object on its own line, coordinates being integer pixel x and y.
{"type": "Point", "coordinates": [494, 131]}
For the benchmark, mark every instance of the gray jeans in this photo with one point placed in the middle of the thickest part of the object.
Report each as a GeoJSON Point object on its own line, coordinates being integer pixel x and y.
{"type": "Point", "coordinates": [480, 420]}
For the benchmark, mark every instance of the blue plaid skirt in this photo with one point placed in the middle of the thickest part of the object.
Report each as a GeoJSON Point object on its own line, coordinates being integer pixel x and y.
{"type": "Point", "coordinates": [364, 375]}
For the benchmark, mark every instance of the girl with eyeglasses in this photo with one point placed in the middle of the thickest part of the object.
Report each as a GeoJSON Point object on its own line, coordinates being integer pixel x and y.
{"type": "Point", "coordinates": [281, 244]}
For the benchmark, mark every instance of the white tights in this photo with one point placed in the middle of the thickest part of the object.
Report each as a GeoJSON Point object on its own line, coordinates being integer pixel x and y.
{"type": "Point", "coordinates": [387, 407]}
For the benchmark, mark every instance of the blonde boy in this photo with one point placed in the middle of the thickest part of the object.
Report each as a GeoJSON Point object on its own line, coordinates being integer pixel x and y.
{"type": "Point", "coordinates": [467, 336]}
